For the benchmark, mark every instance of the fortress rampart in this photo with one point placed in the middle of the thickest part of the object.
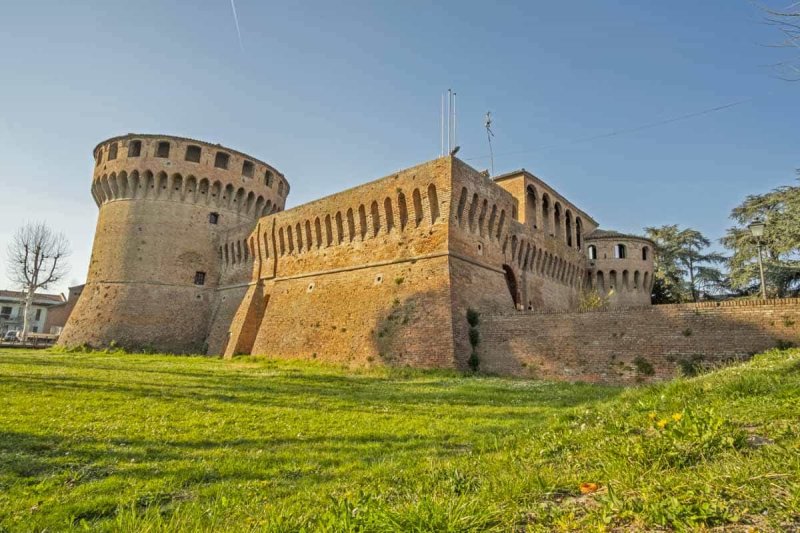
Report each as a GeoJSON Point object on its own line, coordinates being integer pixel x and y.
{"type": "Point", "coordinates": [194, 252]}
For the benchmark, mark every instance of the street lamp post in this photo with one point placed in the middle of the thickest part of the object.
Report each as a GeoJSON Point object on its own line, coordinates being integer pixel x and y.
{"type": "Point", "coordinates": [757, 231]}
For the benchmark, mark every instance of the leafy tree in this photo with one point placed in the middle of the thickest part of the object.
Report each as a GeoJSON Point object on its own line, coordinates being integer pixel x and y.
{"type": "Point", "coordinates": [780, 209]}
{"type": "Point", "coordinates": [683, 264]}
{"type": "Point", "coordinates": [36, 260]}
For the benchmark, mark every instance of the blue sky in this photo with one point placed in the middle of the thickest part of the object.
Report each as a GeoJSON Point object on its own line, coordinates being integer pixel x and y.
{"type": "Point", "coordinates": [337, 93]}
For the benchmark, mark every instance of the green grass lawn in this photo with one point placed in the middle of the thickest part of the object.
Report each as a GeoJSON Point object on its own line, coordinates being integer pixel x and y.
{"type": "Point", "coordinates": [152, 442]}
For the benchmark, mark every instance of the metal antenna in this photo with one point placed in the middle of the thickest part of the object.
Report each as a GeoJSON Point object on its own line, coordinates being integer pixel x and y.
{"type": "Point", "coordinates": [489, 135]}
{"type": "Point", "coordinates": [441, 153]}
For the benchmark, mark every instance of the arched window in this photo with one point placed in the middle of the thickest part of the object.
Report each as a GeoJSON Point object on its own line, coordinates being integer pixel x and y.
{"type": "Point", "coordinates": [530, 206]}
{"type": "Point", "coordinates": [546, 213]}
{"type": "Point", "coordinates": [619, 251]}
{"type": "Point", "coordinates": [461, 204]}
{"type": "Point", "coordinates": [433, 203]}
{"type": "Point", "coordinates": [557, 219]}
{"type": "Point", "coordinates": [568, 220]}
{"type": "Point", "coordinates": [645, 253]}
{"type": "Point", "coordinates": [578, 232]}
{"type": "Point", "coordinates": [592, 250]}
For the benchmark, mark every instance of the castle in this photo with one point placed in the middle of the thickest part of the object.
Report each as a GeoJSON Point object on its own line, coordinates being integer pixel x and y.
{"type": "Point", "coordinates": [194, 252]}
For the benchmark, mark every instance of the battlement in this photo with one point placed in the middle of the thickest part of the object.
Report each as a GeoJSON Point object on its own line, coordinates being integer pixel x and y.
{"type": "Point", "coordinates": [157, 167]}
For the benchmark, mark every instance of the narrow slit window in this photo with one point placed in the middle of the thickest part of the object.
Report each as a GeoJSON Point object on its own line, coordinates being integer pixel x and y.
{"type": "Point", "coordinates": [112, 151]}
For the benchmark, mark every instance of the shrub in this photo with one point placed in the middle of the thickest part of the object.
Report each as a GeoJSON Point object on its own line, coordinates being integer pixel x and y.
{"type": "Point", "coordinates": [783, 344]}
{"type": "Point", "coordinates": [692, 366]}
{"type": "Point", "coordinates": [592, 301]}
{"type": "Point", "coordinates": [474, 337]}
{"type": "Point", "coordinates": [474, 361]}
{"type": "Point", "coordinates": [643, 366]}
{"type": "Point", "coordinates": [473, 317]}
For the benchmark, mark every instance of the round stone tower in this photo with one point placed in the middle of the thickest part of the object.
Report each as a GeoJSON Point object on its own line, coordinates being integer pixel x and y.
{"type": "Point", "coordinates": [620, 267]}
{"type": "Point", "coordinates": [164, 201]}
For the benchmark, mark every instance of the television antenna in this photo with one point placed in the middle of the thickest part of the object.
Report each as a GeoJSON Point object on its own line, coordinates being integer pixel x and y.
{"type": "Point", "coordinates": [489, 135]}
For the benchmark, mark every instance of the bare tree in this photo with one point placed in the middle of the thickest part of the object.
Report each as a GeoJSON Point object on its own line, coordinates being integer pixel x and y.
{"type": "Point", "coordinates": [36, 258]}
{"type": "Point", "coordinates": [787, 21]}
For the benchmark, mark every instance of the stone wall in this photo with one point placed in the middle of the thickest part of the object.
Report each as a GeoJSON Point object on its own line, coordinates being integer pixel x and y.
{"type": "Point", "coordinates": [360, 276]}
{"type": "Point", "coordinates": [627, 346]}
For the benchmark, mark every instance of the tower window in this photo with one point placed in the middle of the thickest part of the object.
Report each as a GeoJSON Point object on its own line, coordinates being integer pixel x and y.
{"type": "Point", "coordinates": [221, 160]}
{"type": "Point", "coordinates": [213, 218]}
{"type": "Point", "coordinates": [592, 250]}
{"type": "Point", "coordinates": [619, 251]}
{"type": "Point", "coordinates": [112, 151]}
{"type": "Point", "coordinates": [199, 278]}
{"type": "Point", "coordinates": [248, 169]}
{"type": "Point", "coordinates": [162, 150]}
{"type": "Point", "coordinates": [99, 157]}
{"type": "Point", "coordinates": [134, 148]}
{"type": "Point", "coordinates": [268, 178]}
{"type": "Point", "coordinates": [645, 249]}
{"type": "Point", "coordinates": [193, 153]}
{"type": "Point", "coordinates": [280, 187]}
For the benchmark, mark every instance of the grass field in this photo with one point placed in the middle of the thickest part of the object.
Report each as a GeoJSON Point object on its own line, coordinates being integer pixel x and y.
{"type": "Point", "coordinates": [152, 442]}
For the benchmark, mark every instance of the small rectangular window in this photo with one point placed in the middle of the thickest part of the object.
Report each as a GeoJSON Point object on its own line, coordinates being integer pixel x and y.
{"type": "Point", "coordinates": [112, 152]}
{"type": "Point", "coordinates": [280, 187]}
{"type": "Point", "coordinates": [38, 315]}
{"type": "Point", "coordinates": [213, 218]}
{"type": "Point", "coordinates": [248, 168]}
{"type": "Point", "coordinates": [221, 160]}
{"type": "Point", "coordinates": [163, 149]}
{"type": "Point", "coordinates": [193, 153]}
{"type": "Point", "coordinates": [134, 148]}
{"type": "Point", "coordinates": [268, 178]}
{"type": "Point", "coordinates": [199, 278]}
{"type": "Point", "coordinates": [99, 157]}
{"type": "Point", "coordinates": [5, 313]}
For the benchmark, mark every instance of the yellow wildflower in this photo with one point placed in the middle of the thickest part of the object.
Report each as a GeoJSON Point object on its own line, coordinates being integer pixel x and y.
{"type": "Point", "coordinates": [662, 423]}
{"type": "Point", "coordinates": [677, 417]}
{"type": "Point", "coordinates": [652, 415]}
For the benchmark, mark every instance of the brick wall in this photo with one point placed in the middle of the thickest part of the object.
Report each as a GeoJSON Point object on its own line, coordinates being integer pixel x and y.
{"type": "Point", "coordinates": [633, 345]}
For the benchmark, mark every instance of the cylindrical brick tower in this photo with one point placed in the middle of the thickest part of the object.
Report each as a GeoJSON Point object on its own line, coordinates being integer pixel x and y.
{"type": "Point", "coordinates": [620, 267]}
{"type": "Point", "coordinates": [155, 259]}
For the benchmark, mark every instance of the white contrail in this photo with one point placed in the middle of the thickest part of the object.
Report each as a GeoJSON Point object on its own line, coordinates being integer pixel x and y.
{"type": "Point", "coordinates": [236, 21]}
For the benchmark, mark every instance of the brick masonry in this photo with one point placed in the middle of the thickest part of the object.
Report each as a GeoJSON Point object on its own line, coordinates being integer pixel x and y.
{"type": "Point", "coordinates": [382, 273]}
{"type": "Point", "coordinates": [617, 346]}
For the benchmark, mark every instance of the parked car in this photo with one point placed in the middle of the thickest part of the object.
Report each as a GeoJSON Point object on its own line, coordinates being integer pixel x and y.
{"type": "Point", "coordinates": [11, 336]}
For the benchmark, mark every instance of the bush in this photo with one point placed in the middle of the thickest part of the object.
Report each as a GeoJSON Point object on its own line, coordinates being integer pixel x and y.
{"type": "Point", "coordinates": [643, 366]}
{"type": "Point", "coordinates": [474, 337]}
{"type": "Point", "coordinates": [474, 361]}
{"type": "Point", "coordinates": [473, 317]}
